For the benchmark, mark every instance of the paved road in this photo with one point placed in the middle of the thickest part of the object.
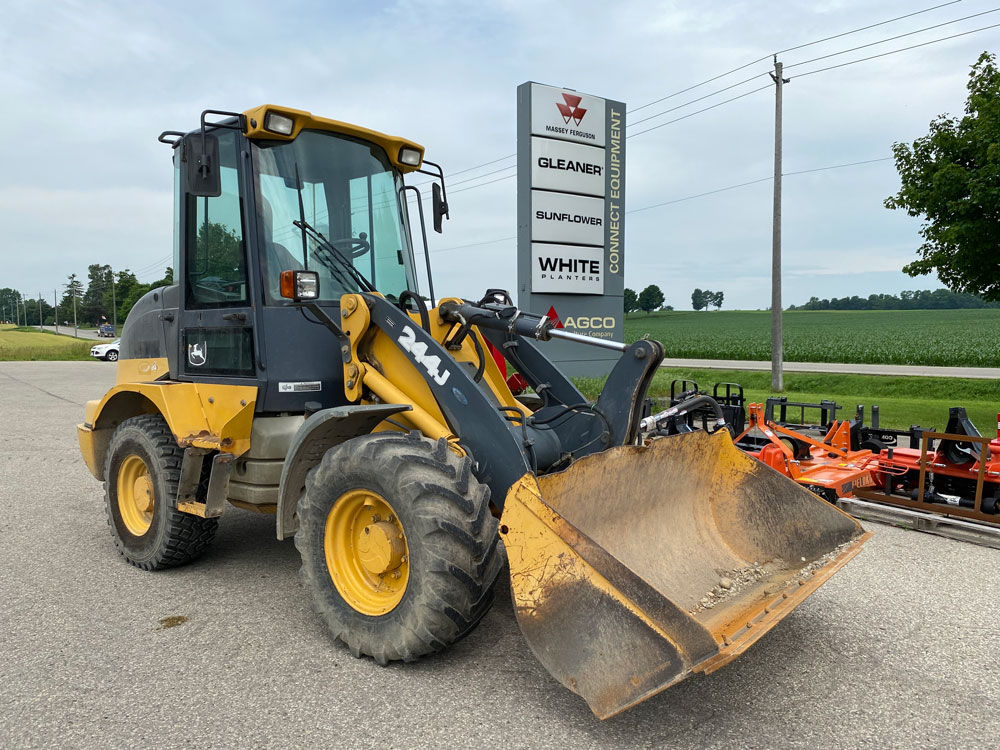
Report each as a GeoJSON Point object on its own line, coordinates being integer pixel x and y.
{"type": "Point", "coordinates": [846, 369]}
{"type": "Point", "coordinates": [81, 333]}
{"type": "Point", "coordinates": [739, 364]}
{"type": "Point", "coordinates": [896, 651]}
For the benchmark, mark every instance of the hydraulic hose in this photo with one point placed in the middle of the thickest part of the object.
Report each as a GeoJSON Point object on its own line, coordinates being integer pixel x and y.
{"type": "Point", "coordinates": [425, 320]}
{"type": "Point", "coordinates": [651, 422]}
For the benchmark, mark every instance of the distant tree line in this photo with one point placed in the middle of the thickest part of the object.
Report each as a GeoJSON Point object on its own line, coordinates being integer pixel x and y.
{"type": "Point", "coordinates": [939, 299]}
{"type": "Point", "coordinates": [649, 299]}
{"type": "Point", "coordinates": [96, 302]}
{"type": "Point", "coordinates": [703, 299]}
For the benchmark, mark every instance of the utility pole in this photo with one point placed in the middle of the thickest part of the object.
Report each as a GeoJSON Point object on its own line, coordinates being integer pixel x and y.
{"type": "Point", "coordinates": [114, 304]}
{"type": "Point", "coordinates": [55, 309]}
{"type": "Point", "coordinates": [777, 353]}
{"type": "Point", "coordinates": [39, 311]}
{"type": "Point", "coordinates": [76, 333]}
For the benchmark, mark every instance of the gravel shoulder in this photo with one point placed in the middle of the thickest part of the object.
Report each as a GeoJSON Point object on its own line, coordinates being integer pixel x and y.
{"type": "Point", "coordinates": [895, 651]}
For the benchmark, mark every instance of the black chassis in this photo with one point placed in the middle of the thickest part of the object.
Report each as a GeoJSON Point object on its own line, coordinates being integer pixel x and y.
{"type": "Point", "coordinates": [504, 443]}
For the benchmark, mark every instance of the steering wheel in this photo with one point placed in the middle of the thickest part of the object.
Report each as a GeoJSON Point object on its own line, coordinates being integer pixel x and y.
{"type": "Point", "coordinates": [356, 246]}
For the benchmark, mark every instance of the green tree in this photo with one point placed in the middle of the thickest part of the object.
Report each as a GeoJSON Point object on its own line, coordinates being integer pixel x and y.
{"type": "Point", "coordinates": [698, 299]}
{"type": "Point", "coordinates": [127, 287]}
{"type": "Point", "coordinates": [167, 280]}
{"type": "Point", "coordinates": [10, 305]}
{"type": "Point", "coordinates": [74, 290]}
{"type": "Point", "coordinates": [631, 300]}
{"type": "Point", "coordinates": [950, 178]}
{"type": "Point", "coordinates": [650, 298]}
{"type": "Point", "coordinates": [98, 283]}
{"type": "Point", "coordinates": [219, 252]}
{"type": "Point", "coordinates": [717, 298]}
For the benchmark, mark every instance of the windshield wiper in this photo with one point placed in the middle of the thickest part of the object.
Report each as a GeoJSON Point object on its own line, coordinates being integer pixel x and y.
{"type": "Point", "coordinates": [302, 215]}
{"type": "Point", "coordinates": [336, 256]}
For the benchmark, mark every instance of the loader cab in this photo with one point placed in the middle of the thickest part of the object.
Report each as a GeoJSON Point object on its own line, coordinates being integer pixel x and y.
{"type": "Point", "coordinates": [238, 231]}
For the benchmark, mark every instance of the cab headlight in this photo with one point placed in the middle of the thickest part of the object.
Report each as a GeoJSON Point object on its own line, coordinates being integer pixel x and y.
{"type": "Point", "coordinates": [409, 156]}
{"type": "Point", "coordinates": [300, 285]}
{"type": "Point", "coordinates": [278, 123]}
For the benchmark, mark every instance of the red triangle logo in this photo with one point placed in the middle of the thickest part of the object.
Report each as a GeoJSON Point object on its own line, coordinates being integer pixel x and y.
{"type": "Point", "coordinates": [554, 317]}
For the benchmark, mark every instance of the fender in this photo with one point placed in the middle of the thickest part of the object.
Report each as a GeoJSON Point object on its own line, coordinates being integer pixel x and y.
{"type": "Point", "coordinates": [320, 432]}
{"type": "Point", "coordinates": [209, 416]}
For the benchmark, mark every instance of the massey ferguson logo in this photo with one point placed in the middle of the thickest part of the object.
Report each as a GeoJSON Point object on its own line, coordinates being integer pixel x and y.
{"type": "Point", "coordinates": [571, 110]}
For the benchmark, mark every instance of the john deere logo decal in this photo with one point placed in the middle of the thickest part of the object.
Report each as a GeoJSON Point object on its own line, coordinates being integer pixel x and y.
{"type": "Point", "coordinates": [197, 354]}
{"type": "Point", "coordinates": [571, 110]}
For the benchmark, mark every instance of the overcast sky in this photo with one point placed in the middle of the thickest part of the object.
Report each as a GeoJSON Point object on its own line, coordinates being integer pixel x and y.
{"type": "Point", "coordinates": [89, 85]}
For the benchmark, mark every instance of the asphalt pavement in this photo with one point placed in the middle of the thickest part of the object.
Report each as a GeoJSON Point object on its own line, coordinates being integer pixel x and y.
{"type": "Point", "coordinates": [896, 651]}
{"type": "Point", "coordinates": [81, 333]}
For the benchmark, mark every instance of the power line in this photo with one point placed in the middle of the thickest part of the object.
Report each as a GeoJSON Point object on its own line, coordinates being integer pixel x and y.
{"type": "Point", "coordinates": [470, 169]}
{"type": "Point", "coordinates": [893, 52]}
{"type": "Point", "coordinates": [482, 184]}
{"type": "Point", "coordinates": [762, 179]}
{"type": "Point", "coordinates": [891, 38]}
{"type": "Point", "coordinates": [484, 164]}
{"type": "Point", "coordinates": [147, 268]}
{"type": "Point", "coordinates": [697, 112]}
{"type": "Point", "coordinates": [839, 166]}
{"type": "Point", "coordinates": [723, 75]}
{"type": "Point", "coordinates": [699, 195]}
{"type": "Point", "coordinates": [474, 244]}
{"type": "Point", "coordinates": [865, 28]}
{"type": "Point", "coordinates": [693, 101]}
{"type": "Point", "coordinates": [692, 197]}
{"type": "Point", "coordinates": [485, 174]}
{"type": "Point", "coordinates": [790, 49]}
{"type": "Point", "coordinates": [804, 62]}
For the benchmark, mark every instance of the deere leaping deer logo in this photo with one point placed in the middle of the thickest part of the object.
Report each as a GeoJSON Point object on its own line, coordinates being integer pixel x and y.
{"type": "Point", "coordinates": [571, 110]}
{"type": "Point", "coordinates": [197, 355]}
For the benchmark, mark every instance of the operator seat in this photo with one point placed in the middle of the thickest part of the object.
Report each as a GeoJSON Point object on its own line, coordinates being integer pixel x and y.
{"type": "Point", "coordinates": [276, 256]}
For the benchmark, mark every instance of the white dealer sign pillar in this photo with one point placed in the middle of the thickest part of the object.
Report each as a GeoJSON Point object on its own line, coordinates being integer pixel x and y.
{"type": "Point", "coordinates": [570, 217]}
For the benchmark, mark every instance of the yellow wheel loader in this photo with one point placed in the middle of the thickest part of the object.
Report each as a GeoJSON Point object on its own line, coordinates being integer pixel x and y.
{"type": "Point", "coordinates": [293, 369]}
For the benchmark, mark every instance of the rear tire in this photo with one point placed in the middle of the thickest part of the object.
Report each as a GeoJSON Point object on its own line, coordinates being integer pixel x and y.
{"type": "Point", "coordinates": [448, 562]}
{"type": "Point", "coordinates": [141, 473]}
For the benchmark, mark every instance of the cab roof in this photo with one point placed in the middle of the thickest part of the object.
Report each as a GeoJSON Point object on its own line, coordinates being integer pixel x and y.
{"type": "Point", "coordinates": [307, 121]}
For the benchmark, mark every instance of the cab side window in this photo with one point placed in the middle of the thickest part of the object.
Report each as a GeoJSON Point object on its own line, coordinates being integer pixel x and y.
{"type": "Point", "coordinates": [216, 264]}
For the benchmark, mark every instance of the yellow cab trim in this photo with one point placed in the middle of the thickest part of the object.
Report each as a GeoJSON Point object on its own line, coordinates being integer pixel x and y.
{"type": "Point", "coordinates": [307, 121]}
{"type": "Point", "coordinates": [141, 370]}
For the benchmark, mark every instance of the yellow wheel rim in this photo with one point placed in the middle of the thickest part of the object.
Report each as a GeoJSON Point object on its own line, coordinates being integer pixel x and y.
{"type": "Point", "coordinates": [135, 495]}
{"type": "Point", "coordinates": [366, 552]}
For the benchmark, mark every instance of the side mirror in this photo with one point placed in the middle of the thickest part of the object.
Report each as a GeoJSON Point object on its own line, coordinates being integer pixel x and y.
{"type": "Point", "coordinates": [202, 157]}
{"type": "Point", "coordinates": [440, 207]}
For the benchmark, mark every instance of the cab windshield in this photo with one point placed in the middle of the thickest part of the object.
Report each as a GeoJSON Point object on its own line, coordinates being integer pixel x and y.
{"type": "Point", "coordinates": [347, 190]}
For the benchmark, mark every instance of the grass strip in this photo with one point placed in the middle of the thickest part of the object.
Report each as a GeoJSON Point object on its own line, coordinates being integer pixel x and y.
{"type": "Point", "coordinates": [902, 401]}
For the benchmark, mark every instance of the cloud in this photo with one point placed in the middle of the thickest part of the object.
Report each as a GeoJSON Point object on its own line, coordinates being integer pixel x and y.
{"type": "Point", "coordinates": [89, 85]}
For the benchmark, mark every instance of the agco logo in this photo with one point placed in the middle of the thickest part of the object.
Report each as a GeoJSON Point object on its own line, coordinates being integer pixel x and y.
{"type": "Point", "coordinates": [582, 322]}
{"type": "Point", "coordinates": [571, 110]}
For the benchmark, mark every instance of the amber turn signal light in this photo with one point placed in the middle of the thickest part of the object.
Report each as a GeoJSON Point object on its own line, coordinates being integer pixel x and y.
{"type": "Point", "coordinates": [299, 285]}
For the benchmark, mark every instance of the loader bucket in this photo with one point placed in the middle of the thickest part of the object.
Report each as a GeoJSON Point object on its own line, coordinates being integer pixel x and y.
{"type": "Point", "coordinates": [642, 564]}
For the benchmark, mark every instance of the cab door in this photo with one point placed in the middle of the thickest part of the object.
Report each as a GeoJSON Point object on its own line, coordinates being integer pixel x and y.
{"type": "Point", "coordinates": [216, 337]}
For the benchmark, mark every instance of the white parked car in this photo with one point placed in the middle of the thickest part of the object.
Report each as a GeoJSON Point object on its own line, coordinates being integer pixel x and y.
{"type": "Point", "coordinates": [106, 351]}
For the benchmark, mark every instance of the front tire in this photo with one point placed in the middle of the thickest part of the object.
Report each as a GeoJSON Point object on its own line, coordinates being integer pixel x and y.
{"type": "Point", "coordinates": [141, 473]}
{"type": "Point", "coordinates": [399, 547]}
{"type": "Point", "coordinates": [112, 356]}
